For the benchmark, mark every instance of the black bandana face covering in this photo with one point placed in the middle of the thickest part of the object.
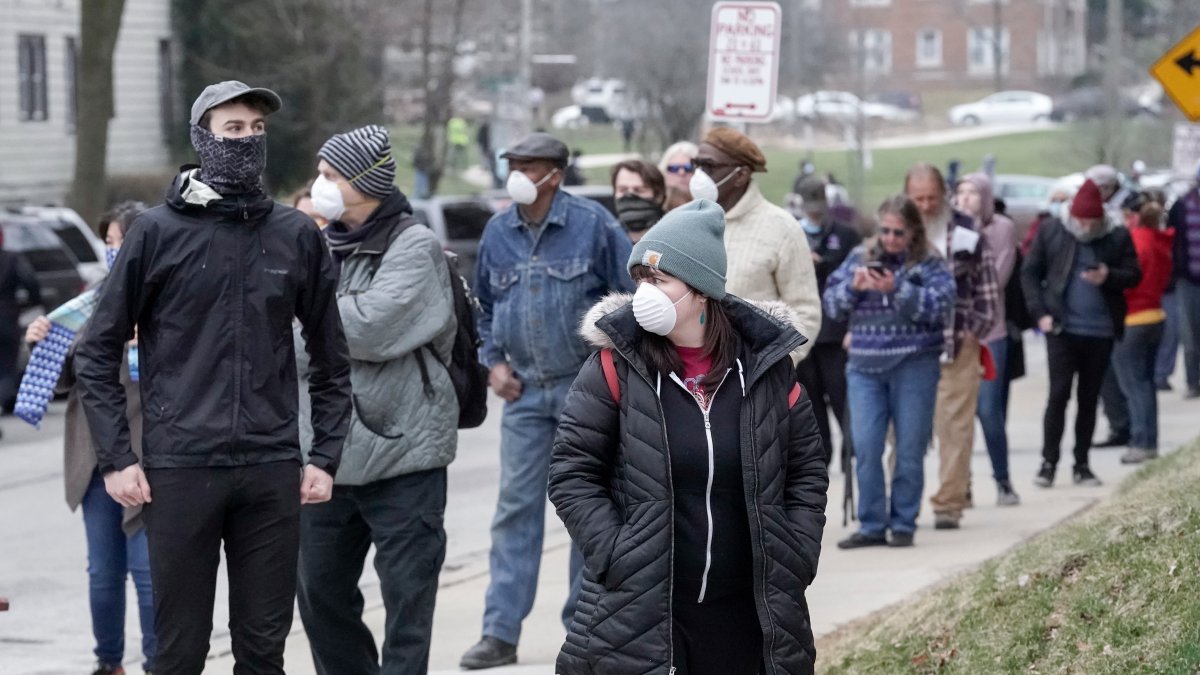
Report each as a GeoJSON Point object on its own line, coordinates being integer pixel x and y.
{"type": "Point", "coordinates": [231, 166]}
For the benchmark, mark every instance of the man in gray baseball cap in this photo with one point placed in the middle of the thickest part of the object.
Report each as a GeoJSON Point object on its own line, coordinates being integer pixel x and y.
{"type": "Point", "coordinates": [213, 279]}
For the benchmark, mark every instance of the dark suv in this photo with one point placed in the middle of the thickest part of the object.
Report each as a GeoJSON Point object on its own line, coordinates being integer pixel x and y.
{"type": "Point", "coordinates": [55, 267]}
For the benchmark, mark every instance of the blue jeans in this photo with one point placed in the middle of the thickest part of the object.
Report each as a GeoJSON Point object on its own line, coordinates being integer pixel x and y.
{"type": "Point", "coordinates": [112, 555]}
{"type": "Point", "coordinates": [905, 397]}
{"type": "Point", "coordinates": [992, 410]}
{"type": "Point", "coordinates": [1187, 295]}
{"type": "Point", "coordinates": [1168, 349]}
{"type": "Point", "coordinates": [526, 439]}
{"type": "Point", "coordinates": [1133, 362]}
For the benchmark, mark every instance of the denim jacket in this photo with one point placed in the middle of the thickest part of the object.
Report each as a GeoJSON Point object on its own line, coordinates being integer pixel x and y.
{"type": "Point", "coordinates": [534, 289]}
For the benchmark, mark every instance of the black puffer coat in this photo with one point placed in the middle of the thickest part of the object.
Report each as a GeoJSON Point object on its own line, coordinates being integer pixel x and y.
{"type": "Point", "coordinates": [610, 481]}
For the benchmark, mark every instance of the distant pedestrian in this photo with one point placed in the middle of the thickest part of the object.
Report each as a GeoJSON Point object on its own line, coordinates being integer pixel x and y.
{"type": "Point", "coordinates": [694, 563]}
{"type": "Point", "coordinates": [974, 198]}
{"type": "Point", "coordinates": [769, 258]}
{"type": "Point", "coordinates": [1074, 281]}
{"type": "Point", "coordinates": [628, 126]}
{"type": "Point", "coordinates": [573, 174]}
{"type": "Point", "coordinates": [897, 293]}
{"type": "Point", "coordinates": [639, 193]}
{"type": "Point", "coordinates": [15, 274]}
{"type": "Point", "coordinates": [458, 137]}
{"type": "Point", "coordinates": [1184, 219]}
{"type": "Point", "coordinates": [677, 168]}
{"type": "Point", "coordinates": [116, 536]}
{"type": "Point", "coordinates": [397, 310]}
{"type": "Point", "coordinates": [958, 238]}
{"type": "Point", "coordinates": [213, 280]}
{"type": "Point", "coordinates": [1135, 352]}
{"type": "Point", "coordinates": [823, 371]}
{"type": "Point", "coordinates": [543, 262]}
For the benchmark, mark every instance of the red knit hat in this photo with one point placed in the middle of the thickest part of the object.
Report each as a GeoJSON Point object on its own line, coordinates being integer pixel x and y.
{"type": "Point", "coordinates": [1088, 203]}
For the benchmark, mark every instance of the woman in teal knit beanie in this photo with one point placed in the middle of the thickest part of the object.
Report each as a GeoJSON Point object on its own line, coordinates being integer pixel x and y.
{"type": "Point", "coordinates": [689, 470]}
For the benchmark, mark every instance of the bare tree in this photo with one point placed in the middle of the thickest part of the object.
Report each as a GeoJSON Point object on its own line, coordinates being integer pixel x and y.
{"type": "Point", "coordinates": [441, 31]}
{"type": "Point", "coordinates": [99, 25]}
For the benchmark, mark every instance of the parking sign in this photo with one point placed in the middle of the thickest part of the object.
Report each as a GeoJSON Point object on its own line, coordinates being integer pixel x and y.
{"type": "Point", "coordinates": [743, 60]}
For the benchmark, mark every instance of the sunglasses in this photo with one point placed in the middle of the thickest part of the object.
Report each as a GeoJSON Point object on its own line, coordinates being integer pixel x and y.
{"type": "Point", "coordinates": [680, 168]}
{"type": "Point", "coordinates": [707, 165]}
{"type": "Point", "coordinates": [893, 232]}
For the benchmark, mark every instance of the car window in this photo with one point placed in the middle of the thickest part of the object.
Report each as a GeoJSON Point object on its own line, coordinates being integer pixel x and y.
{"type": "Point", "coordinates": [78, 243]}
{"type": "Point", "coordinates": [466, 220]}
{"type": "Point", "coordinates": [22, 237]}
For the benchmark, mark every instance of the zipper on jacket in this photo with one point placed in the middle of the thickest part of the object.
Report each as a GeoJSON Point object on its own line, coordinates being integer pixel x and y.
{"type": "Point", "coordinates": [240, 314]}
{"type": "Point", "coordinates": [671, 500]}
{"type": "Point", "coordinates": [711, 474]}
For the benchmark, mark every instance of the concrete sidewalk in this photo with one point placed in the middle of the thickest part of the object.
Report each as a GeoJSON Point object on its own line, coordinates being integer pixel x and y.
{"type": "Point", "coordinates": [850, 584]}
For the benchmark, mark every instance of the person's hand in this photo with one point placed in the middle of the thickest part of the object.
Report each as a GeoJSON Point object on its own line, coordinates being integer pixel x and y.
{"type": "Point", "coordinates": [316, 486]}
{"type": "Point", "coordinates": [1046, 324]}
{"type": "Point", "coordinates": [128, 487]}
{"type": "Point", "coordinates": [1095, 276]}
{"type": "Point", "coordinates": [815, 256]}
{"type": "Point", "coordinates": [38, 330]}
{"type": "Point", "coordinates": [885, 282]}
{"type": "Point", "coordinates": [862, 281]}
{"type": "Point", "coordinates": [504, 382]}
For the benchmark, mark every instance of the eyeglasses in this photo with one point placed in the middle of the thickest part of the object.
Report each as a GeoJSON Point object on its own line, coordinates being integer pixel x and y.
{"type": "Point", "coordinates": [893, 232]}
{"type": "Point", "coordinates": [707, 165]}
{"type": "Point", "coordinates": [680, 168]}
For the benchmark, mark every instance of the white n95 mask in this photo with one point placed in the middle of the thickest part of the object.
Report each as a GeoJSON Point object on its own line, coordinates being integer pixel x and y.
{"type": "Point", "coordinates": [522, 189]}
{"type": "Point", "coordinates": [327, 199]}
{"type": "Point", "coordinates": [702, 186]}
{"type": "Point", "coordinates": [654, 310]}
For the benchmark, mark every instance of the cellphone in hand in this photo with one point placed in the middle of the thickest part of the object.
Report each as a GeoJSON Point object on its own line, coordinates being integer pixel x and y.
{"type": "Point", "coordinates": [875, 268]}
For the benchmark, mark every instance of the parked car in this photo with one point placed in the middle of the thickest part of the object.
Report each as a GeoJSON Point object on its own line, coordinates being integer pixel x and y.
{"type": "Point", "coordinates": [900, 98]}
{"type": "Point", "coordinates": [1024, 197]}
{"type": "Point", "coordinates": [1087, 102]}
{"type": "Point", "coordinates": [1004, 107]}
{"type": "Point", "coordinates": [569, 117]}
{"type": "Point", "coordinates": [56, 268]}
{"type": "Point", "coordinates": [458, 222]}
{"type": "Point", "coordinates": [844, 107]}
{"type": "Point", "coordinates": [82, 241]}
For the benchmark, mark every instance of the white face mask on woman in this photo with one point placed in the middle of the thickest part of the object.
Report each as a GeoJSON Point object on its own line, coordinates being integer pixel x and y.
{"type": "Point", "coordinates": [327, 199]}
{"type": "Point", "coordinates": [703, 187]}
{"type": "Point", "coordinates": [522, 189]}
{"type": "Point", "coordinates": [654, 310]}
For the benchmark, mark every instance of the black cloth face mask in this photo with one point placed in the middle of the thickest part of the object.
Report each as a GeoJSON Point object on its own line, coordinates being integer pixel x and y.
{"type": "Point", "coordinates": [231, 166]}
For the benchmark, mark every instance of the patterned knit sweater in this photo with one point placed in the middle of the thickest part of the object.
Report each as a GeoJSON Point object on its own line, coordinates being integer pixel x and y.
{"type": "Point", "coordinates": [886, 329]}
{"type": "Point", "coordinates": [769, 260]}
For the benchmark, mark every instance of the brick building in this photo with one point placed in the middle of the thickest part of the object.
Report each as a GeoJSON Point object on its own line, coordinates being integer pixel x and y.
{"type": "Point", "coordinates": [924, 44]}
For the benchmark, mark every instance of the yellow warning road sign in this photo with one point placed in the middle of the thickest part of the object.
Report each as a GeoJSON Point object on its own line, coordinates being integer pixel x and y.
{"type": "Point", "coordinates": [1179, 73]}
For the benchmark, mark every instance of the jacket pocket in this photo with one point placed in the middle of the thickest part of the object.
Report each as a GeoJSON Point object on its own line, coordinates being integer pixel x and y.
{"type": "Point", "coordinates": [501, 280]}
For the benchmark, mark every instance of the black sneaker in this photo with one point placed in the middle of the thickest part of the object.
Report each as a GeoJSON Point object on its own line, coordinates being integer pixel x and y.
{"type": "Point", "coordinates": [1163, 386]}
{"type": "Point", "coordinates": [1084, 476]}
{"type": "Point", "coordinates": [860, 540]}
{"type": "Point", "coordinates": [489, 652]}
{"type": "Point", "coordinates": [1045, 475]}
{"type": "Point", "coordinates": [944, 521]}
{"type": "Point", "coordinates": [1118, 440]}
{"type": "Point", "coordinates": [1192, 393]}
{"type": "Point", "coordinates": [900, 539]}
{"type": "Point", "coordinates": [106, 669]}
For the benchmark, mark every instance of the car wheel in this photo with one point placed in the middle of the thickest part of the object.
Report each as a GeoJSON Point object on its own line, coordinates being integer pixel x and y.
{"type": "Point", "coordinates": [971, 121]}
{"type": "Point", "coordinates": [1040, 118]}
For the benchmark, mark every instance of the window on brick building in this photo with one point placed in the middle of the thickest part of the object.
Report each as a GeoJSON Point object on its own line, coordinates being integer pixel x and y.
{"type": "Point", "coordinates": [981, 45]}
{"type": "Point", "coordinates": [929, 48]}
{"type": "Point", "coordinates": [875, 50]}
{"type": "Point", "coordinates": [31, 78]}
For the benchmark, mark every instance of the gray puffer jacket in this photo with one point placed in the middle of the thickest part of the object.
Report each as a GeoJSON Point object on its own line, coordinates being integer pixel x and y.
{"type": "Point", "coordinates": [397, 309]}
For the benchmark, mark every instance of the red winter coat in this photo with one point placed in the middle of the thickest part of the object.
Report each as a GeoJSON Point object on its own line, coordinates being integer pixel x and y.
{"type": "Point", "coordinates": [1154, 256]}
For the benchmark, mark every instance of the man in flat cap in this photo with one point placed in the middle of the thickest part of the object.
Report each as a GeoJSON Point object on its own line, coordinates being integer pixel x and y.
{"type": "Point", "coordinates": [543, 262]}
{"type": "Point", "coordinates": [769, 257]}
{"type": "Point", "coordinates": [212, 280]}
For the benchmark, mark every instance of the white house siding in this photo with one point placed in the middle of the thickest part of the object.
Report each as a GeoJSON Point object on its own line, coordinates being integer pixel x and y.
{"type": "Point", "coordinates": [37, 157]}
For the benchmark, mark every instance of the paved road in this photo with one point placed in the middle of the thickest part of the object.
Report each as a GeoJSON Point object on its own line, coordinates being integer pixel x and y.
{"type": "Point", "coordinates": [43, 569]}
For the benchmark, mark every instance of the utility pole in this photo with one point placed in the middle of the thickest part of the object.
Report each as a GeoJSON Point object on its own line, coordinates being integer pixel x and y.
{"type": "Point", "coordinates": [525, 72]}
{"type": "Point", "coordinates": [998, 45]}
{"type": "Point", "coordinates": [1113, 58]}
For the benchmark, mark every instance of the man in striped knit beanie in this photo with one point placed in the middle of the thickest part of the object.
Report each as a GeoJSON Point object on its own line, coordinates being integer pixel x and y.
{"type": "Point", "coordinates": [397, 308]}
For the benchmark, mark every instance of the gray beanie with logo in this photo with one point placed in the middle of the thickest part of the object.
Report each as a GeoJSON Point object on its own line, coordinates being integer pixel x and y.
{"type": "Point", "coordinates": [689, 244]}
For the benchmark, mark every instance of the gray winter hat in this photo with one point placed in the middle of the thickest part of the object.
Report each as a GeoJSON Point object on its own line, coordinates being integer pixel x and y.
{"type": "Point", "coordinates": [364, 157]}
{"type": "Point", "coordinates": [689, 244]}
{"type": "Point", "coordinates": [224, 92]}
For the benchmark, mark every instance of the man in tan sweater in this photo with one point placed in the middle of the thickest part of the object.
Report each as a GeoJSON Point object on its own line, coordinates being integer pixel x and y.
{"type": "Point", "coordinates": [768, 254]}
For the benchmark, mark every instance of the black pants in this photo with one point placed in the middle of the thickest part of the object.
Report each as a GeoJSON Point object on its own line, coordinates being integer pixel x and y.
{"type": "Point", "coordinates": [1116, 406]}
{"type": "Point", "coordinates": [402, 517]}
{"type": "Point", "coordinates": [823, 375]}
{"type": "Point", "coordinates": [1070, 357]}
{"type": "Point", "coordinates": [256, 511]}
{"type": "Point", "coordinates": [721, 637]}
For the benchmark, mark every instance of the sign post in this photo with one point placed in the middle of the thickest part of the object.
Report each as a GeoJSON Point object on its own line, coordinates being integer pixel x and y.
{"type": "Point", "coordinates": [1178, 71]}
{"type": "Point", "coordinates": [1185, 151]}
{"type": "Point", "coordinates": [743, 61]}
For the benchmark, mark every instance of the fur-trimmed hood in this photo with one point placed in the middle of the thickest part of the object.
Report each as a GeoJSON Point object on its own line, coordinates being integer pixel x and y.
{"type": "Point", "coordinates": [769, 330]}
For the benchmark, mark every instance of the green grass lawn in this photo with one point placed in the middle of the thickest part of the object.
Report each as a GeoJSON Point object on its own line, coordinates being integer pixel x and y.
{"type": "Point", "coordinates": [1114, 591]}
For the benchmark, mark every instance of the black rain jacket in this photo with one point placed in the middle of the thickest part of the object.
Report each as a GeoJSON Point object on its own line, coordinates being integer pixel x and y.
{"type": "Point", "coordinates": [610, 481]}
{"type": "Point", "coordinates": [213, 290]}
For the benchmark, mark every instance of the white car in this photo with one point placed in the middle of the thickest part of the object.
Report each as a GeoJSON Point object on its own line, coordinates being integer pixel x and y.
{"type": "Point", "coordinates": [81, 240]}
{"type": "Point", "coordinates": [1004, 107]}
{"type": "Point", "coordinates": [844, 107]}
{"type": "Point", "coordinates": [569, 117]}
